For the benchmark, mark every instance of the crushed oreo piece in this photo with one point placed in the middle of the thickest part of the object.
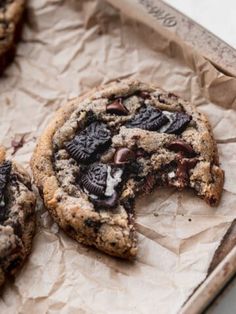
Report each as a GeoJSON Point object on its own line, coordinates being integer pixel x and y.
{"type": "Point", "coordinates": [94, 179]}
{"type": "Point", "coordinates": [148, 118]}
{"type": "Point", "coordinates": [100, 182]}
{"type": "Point", "coordinates": [87, 144]}
{"type": "Point", "coordinates": [179, 123]}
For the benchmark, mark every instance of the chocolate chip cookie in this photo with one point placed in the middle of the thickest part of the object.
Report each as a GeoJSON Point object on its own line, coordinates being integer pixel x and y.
{"type": "Point", "coordinates": [104, 149]}
{"type": "Point", "coordinates": [17, 219]}
{"type": "Point", "coordinates": [11, 12]}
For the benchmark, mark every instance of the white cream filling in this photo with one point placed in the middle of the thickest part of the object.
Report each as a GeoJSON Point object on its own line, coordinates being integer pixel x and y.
{"type": "Point", "coordinates": [112, 181]}
{"type": "Point", "coordinates": [170, 117]}
{"type": "Point", "coordinates": [91, 195]}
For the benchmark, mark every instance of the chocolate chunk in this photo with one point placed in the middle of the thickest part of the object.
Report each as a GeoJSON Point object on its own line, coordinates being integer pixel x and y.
{"type": "Point", "coordinates": [181, 146]}
{"type": "Point", "coordinates": [182, 171]}
{"type": "Point", "coordinates": [94, 179]}
{"type": "Point", "coordinates": [148, 118]}
{"type": "Point", "coordinates": [179, 123]}
{"type": "Point", "coordinates": [107, 202]}
{"type": "Point", "coordinates": [117, 107]}
{"type": "Point", "coordinates": [123, 155]}
{"type": "Point", "coordinates": [87, 144]}
{"type": "Point", "coordinates": [5, 170]}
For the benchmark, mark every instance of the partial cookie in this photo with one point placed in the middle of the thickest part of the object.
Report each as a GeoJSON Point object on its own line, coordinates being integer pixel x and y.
{"type": "Point", "coordinates": [104, 149]}
{"type": "Point", "coordinates": [17, 216]}
{"type": "Point", "coordinates": [11, 12]}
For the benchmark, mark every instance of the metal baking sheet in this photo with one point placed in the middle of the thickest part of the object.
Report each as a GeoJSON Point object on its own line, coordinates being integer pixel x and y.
{"type": "Point", "coordinates": [223, 57]}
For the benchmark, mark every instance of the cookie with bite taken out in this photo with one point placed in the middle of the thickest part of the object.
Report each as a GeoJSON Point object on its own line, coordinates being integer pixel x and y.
{"type": "Point", "coordinates": [122, 140]}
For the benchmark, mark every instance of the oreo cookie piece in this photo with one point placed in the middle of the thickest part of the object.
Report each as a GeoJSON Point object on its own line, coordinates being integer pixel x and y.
{"type": "Point", "coordinates": [87, 144]}
{"type": "Point", "coordinates": [179, 123]}
{"type": "Point", "coordinates": [148, 118]}
{"type": "Point", "coordinates": [94, 179]}
{"type": "Point", "coordinates": [100, 182]}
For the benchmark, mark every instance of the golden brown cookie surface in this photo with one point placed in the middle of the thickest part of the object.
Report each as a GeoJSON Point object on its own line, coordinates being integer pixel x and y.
{"type": "Point", "coordinates": [106, 148]}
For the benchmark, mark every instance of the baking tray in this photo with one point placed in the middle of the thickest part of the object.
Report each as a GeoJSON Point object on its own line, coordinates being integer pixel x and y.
{"type": "Point", "coordinates": [223, 57]}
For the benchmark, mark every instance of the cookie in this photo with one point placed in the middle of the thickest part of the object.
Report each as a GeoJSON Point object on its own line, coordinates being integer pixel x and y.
{"type": "Point", "coordinates": [17, 216]}
{"type": "Point", "coordinates": [11, 12]}
{"type": "Point", "coordinates": [104, 149]}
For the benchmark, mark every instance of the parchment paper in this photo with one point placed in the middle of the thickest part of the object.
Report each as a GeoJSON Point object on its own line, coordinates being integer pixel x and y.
{"type": "Point", "coordinates": [67, 48]}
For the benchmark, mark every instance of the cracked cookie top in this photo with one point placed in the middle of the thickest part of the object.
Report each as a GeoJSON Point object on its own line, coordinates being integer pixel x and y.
{"type": "Point", "coordinates": [115, 144]}
{"type": "Point", "coordinates": [112, 140]}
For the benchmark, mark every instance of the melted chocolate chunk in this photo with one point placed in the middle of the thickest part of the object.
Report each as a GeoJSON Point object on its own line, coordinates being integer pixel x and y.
{"type": "Point", "coordinates": [148, 118]}
{"type": "Point", "coordinates": [5, 170]}
{"type": "Point", "coordinates": [179, 123]}
{"type": "Point", "coordinates": [94, 179]}
{"type": "Point", "coordinates": [123, 156]}
{"type": "Point", "coordinates": [117, 107]}
{"type": "Point", "coordinates": [184, 165]}
{"type": "Point", "coordinates": [181, 146]}
{"type": "Point", "coordinates": [87, 144]}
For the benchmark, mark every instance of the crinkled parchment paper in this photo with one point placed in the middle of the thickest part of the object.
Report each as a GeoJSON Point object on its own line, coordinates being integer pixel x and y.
{"type": "Point", "coordinates": [67, 48]}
